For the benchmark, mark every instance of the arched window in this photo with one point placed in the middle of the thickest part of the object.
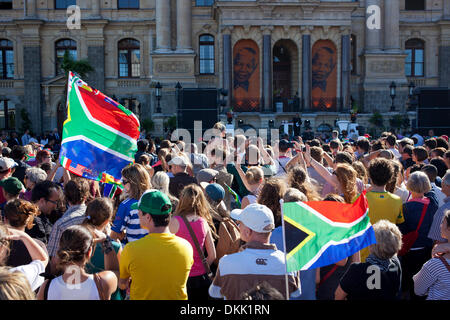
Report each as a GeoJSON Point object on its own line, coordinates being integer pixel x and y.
{"type": "Point", "coordinates": [414, 66]}
{"type": "Point", "coordinates": [129, 58]}
{"type": "Point", "coordinates": [6, 59]}
{"type": "Point", "coordinates": [61, 47]}
{"type": "Point", "coordinates": [206, 48]}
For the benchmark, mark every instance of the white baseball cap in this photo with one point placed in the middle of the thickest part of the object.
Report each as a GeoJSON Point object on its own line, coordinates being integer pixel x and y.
{"type": "Point", "coordinates": [7, 163]}
{"type": "Point", "coordinates": [179, 161]}
{"type": "Point", "coordinates": [257, 217]}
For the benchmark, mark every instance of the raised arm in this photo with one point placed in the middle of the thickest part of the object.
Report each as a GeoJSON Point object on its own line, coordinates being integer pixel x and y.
{"type": "Point", "coordinates": [265, 155]}
{"type": "Point", "coordinates": [329, 177]}
{"type": "Point", "coordinates": [35, 251]}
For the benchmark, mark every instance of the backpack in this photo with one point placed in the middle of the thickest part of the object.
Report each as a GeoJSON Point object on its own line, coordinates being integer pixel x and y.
{"type": "Point", "coordinates": [229, 239]}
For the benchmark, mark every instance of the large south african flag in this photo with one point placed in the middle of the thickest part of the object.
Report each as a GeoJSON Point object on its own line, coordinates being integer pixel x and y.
{"type": "Point", "coordinates": [322, 233]}
{"type": "Point", "coordinates": [99, 135]}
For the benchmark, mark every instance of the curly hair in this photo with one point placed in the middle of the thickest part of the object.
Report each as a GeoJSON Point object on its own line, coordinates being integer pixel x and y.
{"type": "Point", "coordinates": [361, 170]}
{"type": "Point", "coordinates": [346, 176]}
{"type": "Point", "coordinates": [271, 194]}
{"type": "Point", "coordinates": [381, 171]}
{"type": "Point", "coordinates": [298, 179]}
{"type": "Point", "coordinates": [20, 213]}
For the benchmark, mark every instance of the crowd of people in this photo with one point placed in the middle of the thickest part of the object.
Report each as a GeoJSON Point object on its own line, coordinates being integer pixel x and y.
{"type": "Point", "coordinates": [203, 221]}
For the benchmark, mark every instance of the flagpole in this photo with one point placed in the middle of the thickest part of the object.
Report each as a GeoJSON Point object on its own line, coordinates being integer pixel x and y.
{"type": "Point", "coordinates": [284, 249]}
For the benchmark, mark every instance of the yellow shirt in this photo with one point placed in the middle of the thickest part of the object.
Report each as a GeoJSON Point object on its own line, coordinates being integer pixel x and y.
{"type": "Point", "coordinates": [383, 206]}
{"type": "Point", "coordinates": [159, 266]}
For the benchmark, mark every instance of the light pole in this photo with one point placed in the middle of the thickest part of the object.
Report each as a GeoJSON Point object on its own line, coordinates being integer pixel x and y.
{"type": "Point", "coordinates": [158, 95]}
{"type": "Point", "coordinates": [393, 93]}
{"type": "Point", "coordinates": [411, 88]}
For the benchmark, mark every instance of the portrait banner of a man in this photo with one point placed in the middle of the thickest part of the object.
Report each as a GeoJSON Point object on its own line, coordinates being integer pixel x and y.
{"type": "Point", "coordinates": [324, 76]}
{"type": "Point", "coordinates": [246, 76]}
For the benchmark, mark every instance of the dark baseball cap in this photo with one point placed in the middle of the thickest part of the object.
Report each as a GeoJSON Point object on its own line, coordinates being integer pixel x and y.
{"type": "Point", "coordinates": [12, 185]}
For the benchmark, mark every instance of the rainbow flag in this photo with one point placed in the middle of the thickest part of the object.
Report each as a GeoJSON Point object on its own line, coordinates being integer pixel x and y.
{"type": "Point", "coordinates": [322, 233]}
{"type": "Point", "coordinates": [99, 135]}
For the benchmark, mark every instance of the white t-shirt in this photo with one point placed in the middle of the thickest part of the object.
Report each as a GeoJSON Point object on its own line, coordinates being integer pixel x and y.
{"type": "Point", "coordinates": [402, 193]}
{"type": "Point", "coordinates": [32, 272]}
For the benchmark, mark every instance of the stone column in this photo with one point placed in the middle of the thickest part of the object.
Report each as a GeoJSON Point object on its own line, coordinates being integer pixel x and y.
{"type": "Point", "coordinates": [96, 57]}
{"type": "Point", "coordinates": [306, 71]}
{"type": "Point", "coordinates": [267, 73]}
{"type": "Point", "coordinates": [227, 66]}
{"type": "Point", "coordinates": [162, 26]}
{"type": "Point", "coordinates": [95, 8]}
{"type": "Point", "coordinates": [345, 72]}
{"type": "Point", "coordinates": [392, 25]}
{"type": "Point", "coordinates": [184, 26]}
{"type": "Point", "coordinates": [373, 36]}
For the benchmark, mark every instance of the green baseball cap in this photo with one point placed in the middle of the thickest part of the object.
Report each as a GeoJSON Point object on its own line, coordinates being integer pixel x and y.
{"type": "Point", "coordinates": [12, 185]}
{"type": "Point", "coordinates": [153, 201]}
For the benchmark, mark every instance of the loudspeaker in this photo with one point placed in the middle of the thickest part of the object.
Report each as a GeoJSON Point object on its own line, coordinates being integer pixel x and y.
{"type": "Point", "coordinates": [198, 105]}
{"type": "Point", "coordinates": [434, 110]}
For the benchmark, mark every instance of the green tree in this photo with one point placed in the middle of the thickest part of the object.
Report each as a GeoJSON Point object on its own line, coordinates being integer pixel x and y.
{"type": "Point", "coordinates": [26, 122]}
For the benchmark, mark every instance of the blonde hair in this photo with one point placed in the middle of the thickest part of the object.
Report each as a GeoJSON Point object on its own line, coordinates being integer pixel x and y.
{"type": "Point", "coordinates": [389, 240]}
{"type": "Point", "coordinates": [346, 176]}
{"type": "Point", "coordinates": [193, 201]}
{"type": "Point", "coordinates": [160, 181]}
{"type": "Point", "coordinates": [29, 149]}
{"type": "Point", "coordinates": [138, 178]}
{"type": "Point", "coordinates": [14, 286]}
{"type": "Point", "coordinates": [254, 175]}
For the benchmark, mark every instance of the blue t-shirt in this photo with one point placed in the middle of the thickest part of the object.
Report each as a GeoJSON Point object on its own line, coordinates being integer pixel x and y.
{"type": "Point", "coordinates": [307, 277]}
{"type": "Point", "coordinates": [128, 220]}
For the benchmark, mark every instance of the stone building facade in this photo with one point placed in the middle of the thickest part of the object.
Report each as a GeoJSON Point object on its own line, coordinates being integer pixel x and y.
{"type": "Point", "coordinates": [135, 44]}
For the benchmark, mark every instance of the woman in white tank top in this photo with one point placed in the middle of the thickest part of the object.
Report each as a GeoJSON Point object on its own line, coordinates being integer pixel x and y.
{"type": "Point", "coordinates": [75, 250]}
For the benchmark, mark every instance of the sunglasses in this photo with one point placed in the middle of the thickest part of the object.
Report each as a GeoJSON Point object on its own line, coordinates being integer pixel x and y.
{"type": "Point", "coordinates": [52, 201]}
{"type": "Point", "coordinates": [125, 181]}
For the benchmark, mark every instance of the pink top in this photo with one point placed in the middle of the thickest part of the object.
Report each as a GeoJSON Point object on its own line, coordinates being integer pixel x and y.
{"type": "Point", "coordinates": [200, 227]}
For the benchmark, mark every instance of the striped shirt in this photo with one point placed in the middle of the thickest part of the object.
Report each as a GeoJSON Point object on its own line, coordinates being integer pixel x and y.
{"type": "Point", "coordinates": [240, 272]}
{"type": "Point", "coordinates": [75, 215]}
{"type": "Point", "coordinates": [435, 229]}
{"type": "Point", "coordinates": [128, 220]}
{"type": "Point", "coordinates": [433, 280]}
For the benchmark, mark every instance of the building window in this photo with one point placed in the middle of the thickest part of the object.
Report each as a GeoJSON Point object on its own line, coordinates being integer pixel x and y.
{"type": "Point", "coordinates": [414, 66]}
{"type": "Point", "coordinates": [129, 59]}
{"type": "Point", "coordinates": [204, 3]}
{"type": "Point", "coordinates": [64, 4]}
{"type": "Point", "coordinates": [206, 46]}
{"type": "Point", "coordinates": [6, 4]}
{"type": "Point", "coordinates": [61, 47]}
{"type": "Point", "coordinates": [128, 4]}
{"type": "Point", "coordinates": [7, 115]}
{"type": "Point", "coordinates": [354, 57]}
{"type": "Point", "coordinates": [414, 4]}
{"type": "Point", "coordinates": [6, 59]}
